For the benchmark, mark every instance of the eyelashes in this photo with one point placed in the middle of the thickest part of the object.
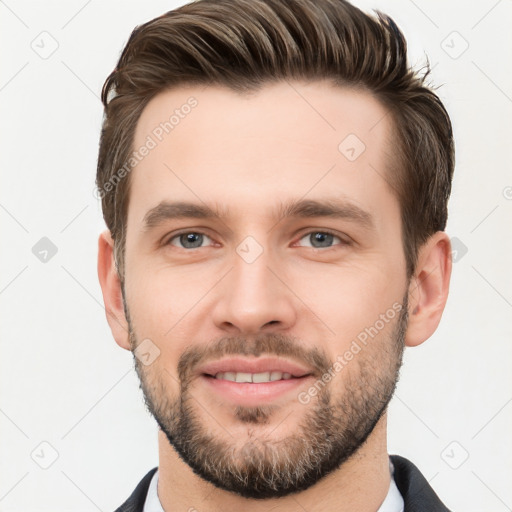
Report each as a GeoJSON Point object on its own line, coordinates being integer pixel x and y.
{"type": "Point", "coordinates": [190, 240]}
{"type": "Point", "coordinates": [187, 239]}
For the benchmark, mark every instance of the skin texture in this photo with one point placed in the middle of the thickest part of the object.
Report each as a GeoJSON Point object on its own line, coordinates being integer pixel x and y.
{"type": "Point", "coordinates": [246, 155]}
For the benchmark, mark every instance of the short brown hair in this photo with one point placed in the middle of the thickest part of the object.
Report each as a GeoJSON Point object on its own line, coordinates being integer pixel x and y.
{"type": "Point", "coordinates": [244, 44]}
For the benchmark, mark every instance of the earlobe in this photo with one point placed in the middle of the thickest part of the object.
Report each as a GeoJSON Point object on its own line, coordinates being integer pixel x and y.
{"type": "Point", "coordinates": [111, 290]}
{"type": "Point", "coordinates": [428, 290]}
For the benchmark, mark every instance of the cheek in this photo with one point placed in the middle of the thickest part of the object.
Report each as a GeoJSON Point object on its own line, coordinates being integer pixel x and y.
{"type": "Point", "coordinates": [162, 303]}
{"type": "Point", "coordinates": [161, 297]}
{"type": "Point", "coordinates": [346, 300]}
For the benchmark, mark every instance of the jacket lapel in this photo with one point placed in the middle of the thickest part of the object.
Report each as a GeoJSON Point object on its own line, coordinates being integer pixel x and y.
{"type": "Point", "coordinates": [417, 494]}
{"type": "Point", "coordinates": [135, 503]}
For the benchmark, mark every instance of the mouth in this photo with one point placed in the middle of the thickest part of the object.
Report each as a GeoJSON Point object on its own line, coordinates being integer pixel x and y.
{"type": "Point", "coordinates": [254, 382]}
{"type": "Point", "coordinates": [255, 378]}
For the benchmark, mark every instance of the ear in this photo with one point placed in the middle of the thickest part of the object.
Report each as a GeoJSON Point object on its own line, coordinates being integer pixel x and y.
{"type": "Point", "coordinates": [428, 289]}
{"type": "Point", "coordinates": [111, 290]}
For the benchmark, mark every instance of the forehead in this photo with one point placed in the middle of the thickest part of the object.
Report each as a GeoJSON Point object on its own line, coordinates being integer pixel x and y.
{"type": "Point", "coordinates": [247, 153]}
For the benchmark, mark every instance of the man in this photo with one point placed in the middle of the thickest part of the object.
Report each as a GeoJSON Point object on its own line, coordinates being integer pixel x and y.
{"type": "Point", "coordinates": [274, 179]}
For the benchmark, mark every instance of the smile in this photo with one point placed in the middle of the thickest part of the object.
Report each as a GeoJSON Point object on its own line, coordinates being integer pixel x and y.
{"type": "Point", "coordinates": [253, 377]}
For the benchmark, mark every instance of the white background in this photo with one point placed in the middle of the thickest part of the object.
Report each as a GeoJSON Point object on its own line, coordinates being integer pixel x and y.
{"type": "Point", "coordinates": [65, 382]}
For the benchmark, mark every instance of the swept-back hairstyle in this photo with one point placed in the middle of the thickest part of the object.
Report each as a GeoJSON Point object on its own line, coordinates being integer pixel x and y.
{"type": "Point", "coordinates": [245, 44]}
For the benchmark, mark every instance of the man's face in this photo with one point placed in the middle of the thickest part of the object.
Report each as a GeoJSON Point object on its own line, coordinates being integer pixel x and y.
{"type": "Point", "coordinates": [270, 285]}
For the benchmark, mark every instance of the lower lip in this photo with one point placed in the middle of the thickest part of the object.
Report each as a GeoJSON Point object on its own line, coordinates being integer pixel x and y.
{"type": "Point", "coordinates": [252, 394]}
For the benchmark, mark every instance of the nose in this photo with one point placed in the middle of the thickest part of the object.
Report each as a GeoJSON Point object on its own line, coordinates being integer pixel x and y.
{"type": "Point", "coordinates": [254, 298]}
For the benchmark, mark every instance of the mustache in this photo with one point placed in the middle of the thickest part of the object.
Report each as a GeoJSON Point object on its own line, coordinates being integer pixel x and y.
{"type": "Point", "coordinates": [269, 344]}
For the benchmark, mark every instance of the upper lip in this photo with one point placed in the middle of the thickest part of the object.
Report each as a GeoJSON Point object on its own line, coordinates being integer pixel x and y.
{"type": "Point", "coordinates": [259, 365]}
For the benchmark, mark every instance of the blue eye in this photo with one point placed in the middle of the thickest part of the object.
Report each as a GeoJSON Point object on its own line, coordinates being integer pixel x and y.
{"type": "Point", "coordinates": [320, 239]}
{"type": "Point", "coordinates": [313, 239]}
{"type": "Point", "coordinates": [190, 240]}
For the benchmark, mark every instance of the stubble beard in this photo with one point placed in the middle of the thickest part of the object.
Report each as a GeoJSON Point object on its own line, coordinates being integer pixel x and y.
{"type": "Point", "coordinates": [328, 433]}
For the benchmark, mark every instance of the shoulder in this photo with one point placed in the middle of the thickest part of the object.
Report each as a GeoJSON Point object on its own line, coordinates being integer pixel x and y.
{"type": "Point", "coordinates": [416, 491]}
{"type": "Point", "coordinates": [135, 503]}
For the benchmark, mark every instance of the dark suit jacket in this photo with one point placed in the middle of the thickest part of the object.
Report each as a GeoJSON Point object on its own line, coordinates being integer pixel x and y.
{"type": "Point", "coordinates": [416, 491]}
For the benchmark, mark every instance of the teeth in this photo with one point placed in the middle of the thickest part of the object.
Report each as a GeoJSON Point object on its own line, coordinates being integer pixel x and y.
{"type": "Point", "coordinates": [261, 377]}
{"type": "Point", "coordinates": [243, 377]}
{"type": "Point", "coordinates": [253, 377]}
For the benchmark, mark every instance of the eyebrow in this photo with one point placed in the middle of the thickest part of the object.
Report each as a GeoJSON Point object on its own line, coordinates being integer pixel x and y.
{"type": "Point", "coordinates": [304, 208]}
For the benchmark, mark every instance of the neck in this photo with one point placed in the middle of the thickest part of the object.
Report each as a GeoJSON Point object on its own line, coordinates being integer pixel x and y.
{"type": "Point", "coordinates": [361, 483]}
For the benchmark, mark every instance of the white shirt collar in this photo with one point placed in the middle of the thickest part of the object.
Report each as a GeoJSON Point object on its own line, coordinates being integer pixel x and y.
{"type": "Point", "coordinates": [393, 501]}
{"type": "Point", "coordinates": [152, 503]}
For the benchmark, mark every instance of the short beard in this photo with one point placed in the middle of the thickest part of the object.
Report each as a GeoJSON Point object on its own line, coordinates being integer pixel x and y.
{"type": "Point", "coordinates": [330, 432]}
